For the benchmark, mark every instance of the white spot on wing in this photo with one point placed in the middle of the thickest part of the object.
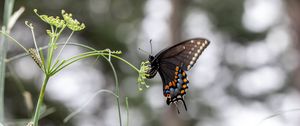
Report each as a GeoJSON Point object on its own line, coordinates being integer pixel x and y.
{"type": "Point", "coordinates": [201, 47]}
{"type": "Point", "coordinates": [205, 42]}
{"type": "Point", "coordinates": [194, 58]}
{"type": "Point", "coordinates": [192, 62]}
{"type": "Point", "coordinates": [196, 55]}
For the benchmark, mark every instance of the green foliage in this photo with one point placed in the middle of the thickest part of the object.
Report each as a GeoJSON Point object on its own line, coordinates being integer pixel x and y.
{"type": "Point", "coordinates": [51, 66]}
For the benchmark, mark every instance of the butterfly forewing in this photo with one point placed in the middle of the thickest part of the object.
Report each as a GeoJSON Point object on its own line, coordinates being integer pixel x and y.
{"type": "Point", "coordinates": [185, 53]}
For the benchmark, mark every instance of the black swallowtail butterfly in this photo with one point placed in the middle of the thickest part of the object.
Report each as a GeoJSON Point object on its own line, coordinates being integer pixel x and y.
{"type": "Point", "coordinates": [171, 64]}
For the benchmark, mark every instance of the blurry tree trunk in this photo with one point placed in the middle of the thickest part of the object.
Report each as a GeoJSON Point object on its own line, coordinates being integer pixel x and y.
{"type": "Point", "coordinates": [171, 118]}
{"type": "Point", "coordinates": [293, 9]}
{"type": "Point", "coordinates": [176, 19]}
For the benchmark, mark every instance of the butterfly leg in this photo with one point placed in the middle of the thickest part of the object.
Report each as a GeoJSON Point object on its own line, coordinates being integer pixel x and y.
{"type": "Point", "coordinates": [177, 108]}
{"type": "Point", "coordinates": [183, 103]}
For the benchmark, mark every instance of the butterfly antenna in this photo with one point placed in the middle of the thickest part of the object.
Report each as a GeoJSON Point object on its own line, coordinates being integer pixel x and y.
{"type": "Point", "coordinates": [145, 52]}
{"type": "Point", "coordinates": [151, 45]}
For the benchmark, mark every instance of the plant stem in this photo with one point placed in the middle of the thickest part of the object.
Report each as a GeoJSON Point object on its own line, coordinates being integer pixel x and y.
{"type": "Point", "coordinates": [127, 109]}
{"type": "Point", "coordinates": [8, 7]}
{"type": "Point", "coordinates": [40, 101]}
{"type": "Point", "coordinates": [64, 46]}
{"type": "Point", "coordinates": [87, 102]}
{"type": "Point", "coordinates": [117, 91]}
{"type": "Point", "coordinates": [13, 40]}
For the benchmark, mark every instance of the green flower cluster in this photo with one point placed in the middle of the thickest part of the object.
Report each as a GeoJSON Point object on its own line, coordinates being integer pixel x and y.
{"type": "Point", "coordinates": [55, 21]}
{"type": "Point", "coordinates": [67, 20]}
{"type": "Point", "coordinates": [72, 24]}
{"type": "Point", "coordinates": [144, 68]}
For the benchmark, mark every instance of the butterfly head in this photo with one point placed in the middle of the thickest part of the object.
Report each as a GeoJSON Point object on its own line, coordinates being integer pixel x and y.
{"type": "Point", "coordinates": [151, 58]}
{"type": "Point", "coordinates": [154, 67]}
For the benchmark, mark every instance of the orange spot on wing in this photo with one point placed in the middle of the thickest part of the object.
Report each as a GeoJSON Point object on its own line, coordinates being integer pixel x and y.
{"type": "Point", "coordinates": [184, 86]}
{"type": "Point", "coordinates": [177, 68]}
{"type": "Point", "coordinates": [183, 73]}
{"type": "Point", "coordinates": [184, 80]}
{"type": "Point", "coordinates": [167, 87]}
{"type": "Point", "coordinates": [173, 83]}
{"type": "Point", "coordinates": [182, 92]}
{"type": "Point", "coordinates": [168, 95]}
{"type": "Point", "coordinates": [176, 73]}
{"type": "Point", "coordinates": [170, 84]}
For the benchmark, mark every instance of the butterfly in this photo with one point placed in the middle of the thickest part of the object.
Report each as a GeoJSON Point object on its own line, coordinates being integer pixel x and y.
{"type": "Point", "coordinates": [172, 64]}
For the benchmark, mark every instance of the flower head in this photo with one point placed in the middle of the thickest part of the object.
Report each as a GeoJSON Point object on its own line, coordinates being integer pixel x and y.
{"type": "Point", "coordinates": [56, 21]}
{"type": "Point", "coordinates": [72, 24]}
{"type": "Point", "coordinates": [143, 75]}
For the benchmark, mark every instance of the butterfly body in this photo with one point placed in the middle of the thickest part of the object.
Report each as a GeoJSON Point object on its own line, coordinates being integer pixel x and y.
{"type": "Point", "coordinates": [172, 64]}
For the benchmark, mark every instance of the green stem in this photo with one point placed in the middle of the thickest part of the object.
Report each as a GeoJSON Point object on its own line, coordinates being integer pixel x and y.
{"type": "Point", "coordinates": [40, 101]}
{"type": "Point", "coordinates": [64, 46]}
{"type": "Point", "coordinates": [87, 102]}
{"type": "Point", "coordinates": [14, 40]}
{"type": "Point", "coordinates": [127, 109]}
{"type": "Point", "coordinates": [8, 8]}
{"type": "Point", "coordinates": [117, 91]}
{"type": "Point", "coordinates": [34, 41]}
{"type": "Point", "coordinates": [76, 58]}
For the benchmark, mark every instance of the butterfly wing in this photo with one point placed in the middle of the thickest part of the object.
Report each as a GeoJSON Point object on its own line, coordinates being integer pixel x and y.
{"type": "Point", "coordinates": [184, 54]}
{"type": "Point", "coordinates": [173, 62]}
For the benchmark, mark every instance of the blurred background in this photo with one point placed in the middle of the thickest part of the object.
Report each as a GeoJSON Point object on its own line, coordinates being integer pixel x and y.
{"type": "Point", "coordinates": [249, 72]}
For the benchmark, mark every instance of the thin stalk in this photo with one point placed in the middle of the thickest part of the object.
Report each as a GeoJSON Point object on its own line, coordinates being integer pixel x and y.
{"type": "Point", "coordinates": [40, 101]}
{"type": "Point", "coordinates": [74, 44]}
{"type": "Point", "coordinates": [64, 45]}
{"type": "Point", "coordinates": [14, 40]}
{"type": "Point", "coordinates": [8, 7]}
{"type": "Point", "coordinates": [87, 102]}
{"type": "Point", "coordinates": [50, 52]}
{"type": "Point", "coordinates": [45, 47]}
{"type": "Point", "coordinates": [127, 109]}
{"type": "Point", "coordinates": [34, 41]}
{"type": "Point", "coordinates": [117, 91]}
{"type": "Point", "coordinates": [76, 58]}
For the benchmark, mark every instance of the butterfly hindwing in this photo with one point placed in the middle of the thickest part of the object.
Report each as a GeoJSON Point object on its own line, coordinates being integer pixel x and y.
{"type": "Point", "coordinates": [175, 83]}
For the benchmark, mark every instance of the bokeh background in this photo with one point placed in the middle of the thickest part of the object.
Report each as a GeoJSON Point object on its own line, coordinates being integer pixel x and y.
{"type": "Point", "coordinates": [249, 72]}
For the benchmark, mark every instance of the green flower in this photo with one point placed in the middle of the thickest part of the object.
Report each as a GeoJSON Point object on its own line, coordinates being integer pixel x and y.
{"type": "Point", "coordinates": [56, 21]}
{"type": "Point", "coordinates": [51, 34]}
{"type": "Point", "coordinates": [145, 66]}
{"type": "Point", "coordinates": [72, 24]}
